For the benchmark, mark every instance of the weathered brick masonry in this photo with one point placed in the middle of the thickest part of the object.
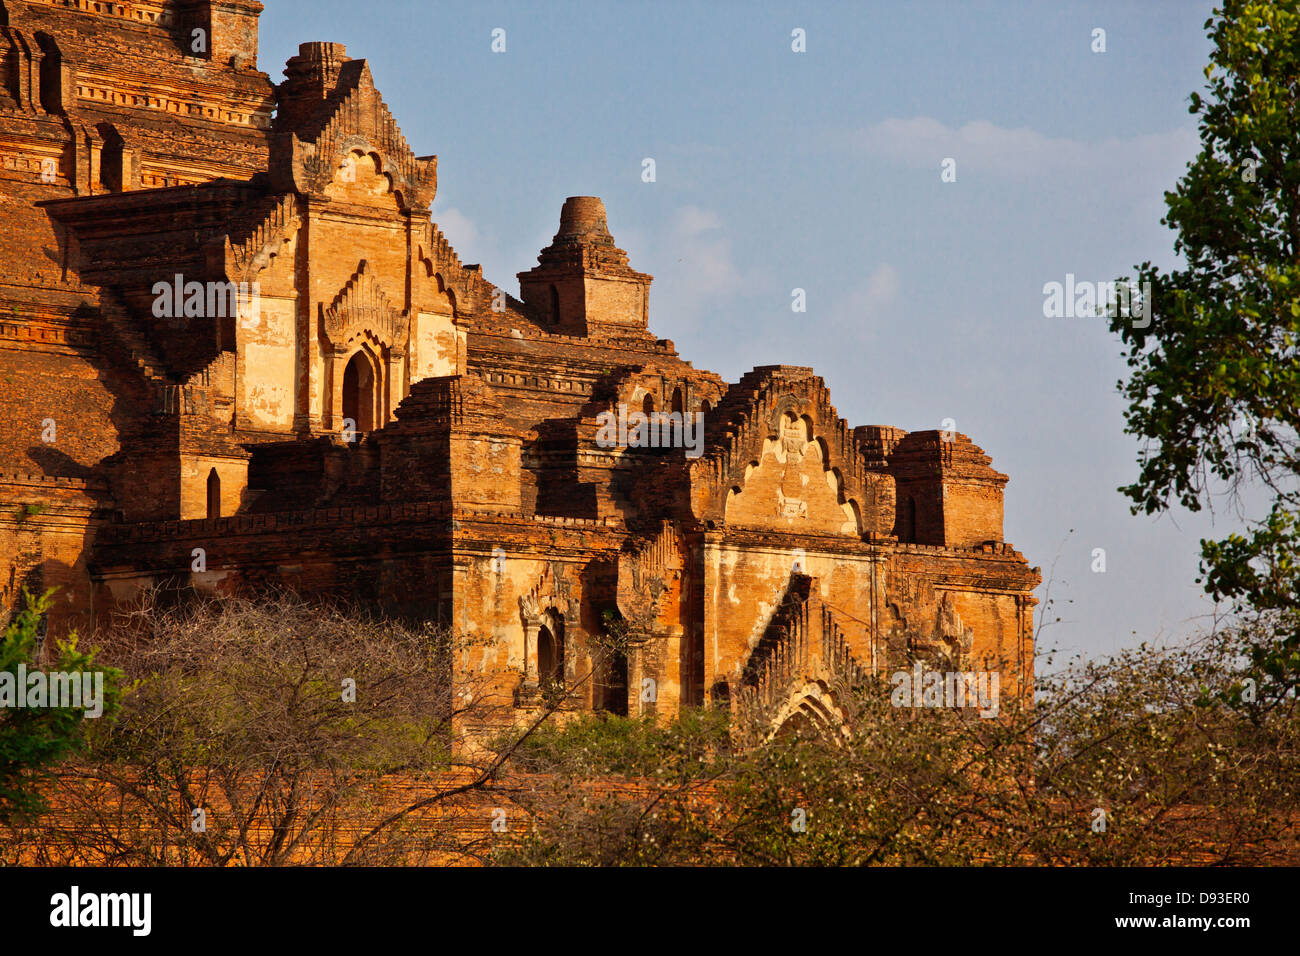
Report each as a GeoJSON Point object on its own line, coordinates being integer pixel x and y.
{"type": "Point", "coordinates": [381, 421]}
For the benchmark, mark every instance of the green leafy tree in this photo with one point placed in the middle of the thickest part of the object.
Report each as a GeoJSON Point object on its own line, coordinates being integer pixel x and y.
{"type": "Point", "coordinates": [1214, 384]}
{"type": "Point", "coordinates": [34, 738]}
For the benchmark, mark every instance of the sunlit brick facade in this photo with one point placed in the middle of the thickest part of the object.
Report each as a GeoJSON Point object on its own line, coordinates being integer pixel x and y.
{"type": "Point", "coordinates": [382, 422]}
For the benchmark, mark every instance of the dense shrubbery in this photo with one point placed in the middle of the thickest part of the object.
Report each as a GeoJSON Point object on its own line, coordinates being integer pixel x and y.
{"type": "Point", "coordinates": [260, 733]}
{"type": "Point", "coordinates": [1148, 758]}
{"type": "Point", "coordinates": [239, 709]}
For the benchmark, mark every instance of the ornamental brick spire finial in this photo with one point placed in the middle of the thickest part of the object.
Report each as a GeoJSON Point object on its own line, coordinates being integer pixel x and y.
{"type": "Point", "coordinates": [584, 237]}
{"type": "Point", "coordinates": [582, 284]}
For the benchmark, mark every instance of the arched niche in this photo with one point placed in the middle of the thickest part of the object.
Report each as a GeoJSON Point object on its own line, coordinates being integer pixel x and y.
{"type": "Point", "coordinates": [362, 319]}
{"type": "Point", "coordinates": [53, 95]}
{"type": "Point", "coordinates": [214, 494]}
{"type": "Point", "coordinates": [550, 655]}
{"type": "Point", "coordinates": [360, 178]}
{"type": "Point", "coordinates": [113, 166]}
{"type": "Point", "coordinates": [361, 398]}
{"type": "Point", "coordinates": [810, 710]}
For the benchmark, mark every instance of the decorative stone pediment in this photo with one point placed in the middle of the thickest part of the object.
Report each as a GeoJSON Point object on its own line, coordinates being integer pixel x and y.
{"type": "Point", "coordinates": [949, 641]}
{"type": "Point", "coordinates": [277, 220]}
{"type": "Point", "coordinates": [361, 308]}
{"type": "Point", "coordinates": [355, 119]}
{"type": "Point", "coordinates": [552, 590]}
{"type": "Point", "coordinates": [777, 438]}
{"type": "Point", "coordinates": [647, 570]}
{"type": "Point", "coordinates": [791, 485]}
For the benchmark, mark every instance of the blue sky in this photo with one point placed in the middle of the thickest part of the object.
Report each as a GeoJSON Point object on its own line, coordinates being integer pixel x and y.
{"type": "Point", "coordinates": [778, 170]}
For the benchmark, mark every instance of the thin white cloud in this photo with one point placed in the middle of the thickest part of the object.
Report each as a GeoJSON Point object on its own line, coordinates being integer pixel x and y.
{"type": "Point", "coordinates": [458, 228]}
{"type": "Point", "coordinates": [690, 221]}
{"type": "Point", "coordinates": [706, 268]}
{"type": "Point", "coordinates": [985, 149]}
{"type": "Point", "coordinates": [865, 304]}
{"type": "Point", "coordinates": [880, 289]}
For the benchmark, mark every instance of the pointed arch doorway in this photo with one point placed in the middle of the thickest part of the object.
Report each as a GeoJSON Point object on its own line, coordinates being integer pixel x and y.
{"type": "Point", "coordinates": [361, 392]}
{"type": "Point", "coordinates": [550, 649]}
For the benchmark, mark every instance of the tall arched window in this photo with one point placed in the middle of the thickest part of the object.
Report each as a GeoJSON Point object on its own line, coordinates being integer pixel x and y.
{"type": "Point", "coordinates": [648, 404]}
{"type": "Point", "coordinates": [111, 158]}
{"type": "Point", "coordinates": [909, 520]}
{"type": "Point", "coordinates": [214, 494]}
{"type": "Point", "coordinates": [615, 691]}
{"type": "Point", "coordinates": [678, 404]}
{"type": "Point", "coordinates": [51, 77]}
{"type": "Point", "coordinates": [555, 305]}
{"type": "Point", "coordinates": [8, 67]}
{"type": "Point", "coordinates": [721, 694]}
{"type": "Point", "coordinates": [611, 688]}
{"type": "Point", "coordinates": [360, 392]}
{"type": "Point", "coordinates": [550, 652]}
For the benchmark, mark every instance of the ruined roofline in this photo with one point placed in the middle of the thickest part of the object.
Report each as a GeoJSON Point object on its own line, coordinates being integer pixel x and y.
{"type": "Point", "coordinates": [124, 47]}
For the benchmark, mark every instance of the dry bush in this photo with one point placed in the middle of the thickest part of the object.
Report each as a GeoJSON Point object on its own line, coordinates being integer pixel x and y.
{"type": "Point", "coordinates": [1159, 741]}
{"type": "Point", "coordinates": [239, 709]}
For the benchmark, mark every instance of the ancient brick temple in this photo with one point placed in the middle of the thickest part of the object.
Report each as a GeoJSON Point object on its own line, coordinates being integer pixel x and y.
{"type": "Point", "coordinates": [236, 350]}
